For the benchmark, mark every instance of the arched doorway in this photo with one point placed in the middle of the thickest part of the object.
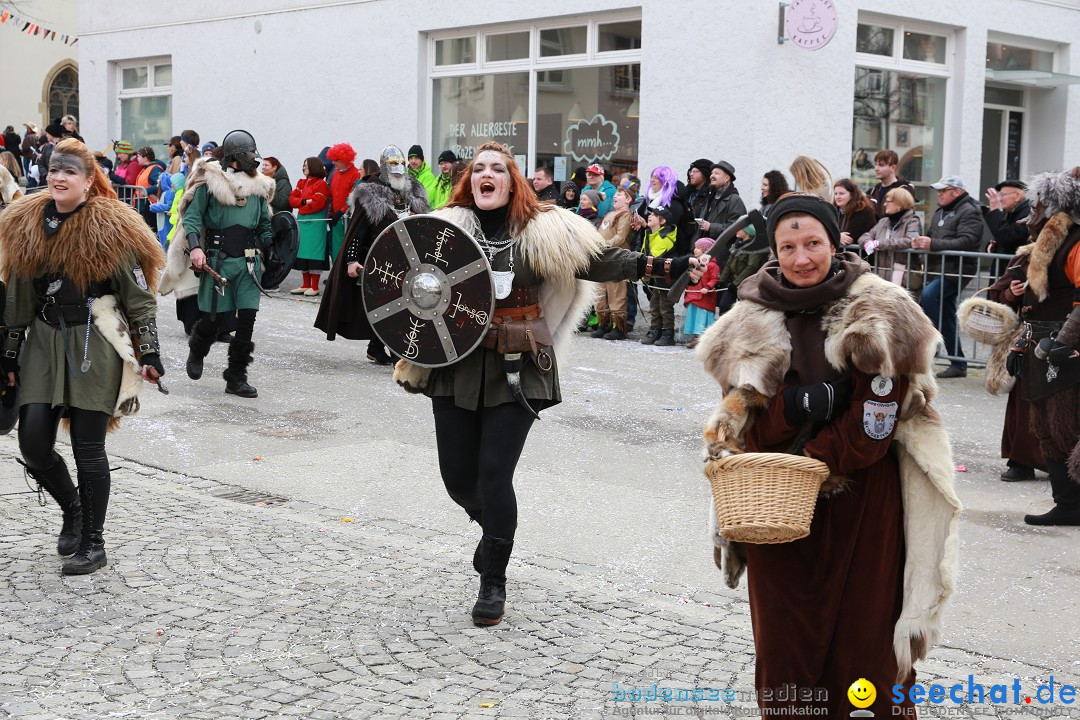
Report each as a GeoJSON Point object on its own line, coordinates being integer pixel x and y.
{"type": "Point", "coordinates": [62, 92]}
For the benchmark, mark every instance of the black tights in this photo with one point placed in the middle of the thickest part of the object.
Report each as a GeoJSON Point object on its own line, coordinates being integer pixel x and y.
{"type": "Point", "coordinates": [37, 437]}
{"type": "Point", "coordinates": [244, 325]}
{"type": "Point", "coordinates": [478, 452]}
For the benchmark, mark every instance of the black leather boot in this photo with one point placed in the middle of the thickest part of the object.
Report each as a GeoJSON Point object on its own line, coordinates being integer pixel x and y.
{"type": "Point", "coordinates": [667, 338]}
{"type": "Point", "coordinates": [56, 480]}
{"type": "Point", "coordinates": [199, 344]}
{"type": "Point", "coordinates": [651, 336]}
{"type": "Point", "coordinates": [491, 601]}
{"type": "Point", "coordinates": [89, 557]}
{"type": "Point", "coordinates": [601, 330]}
{"type": "Point", "coordinates": [240, 356]}
{"type": "Point", "coordinates": [1066, 493]}
{"type": "Point", "coordinates": [618, 329]}
{"type": "Point", "coordinates": [376, 353]}
{"type": "Point", "coordinates": [94, 495]}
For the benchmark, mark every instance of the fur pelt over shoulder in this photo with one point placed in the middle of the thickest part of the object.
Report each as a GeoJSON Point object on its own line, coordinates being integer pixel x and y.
{"type": "Point", "coordinates": [90, 245]}
{"type": "Point", "coordinates": [228, 188]}
{"type": "Point", "coordinates": [377, 200]}
{"type": "Point", "coordinates": [877, 329]}
{"type": "Point", "coordinates": [558, 244]}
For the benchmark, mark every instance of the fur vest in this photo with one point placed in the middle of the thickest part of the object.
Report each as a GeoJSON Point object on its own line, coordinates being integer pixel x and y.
{"type": "Point", "coordinates": [376, 199]}
{"type": "Point", "coordinates": [877, 329]}
{"type": "Point", "coordinates": [227, 188]}
{"type": "Point", "coordinates": [1040, 254]}
{"type": "Point", "coordinates": [90, 246]}
{"type": "Point", "coordinates": [559, 244]}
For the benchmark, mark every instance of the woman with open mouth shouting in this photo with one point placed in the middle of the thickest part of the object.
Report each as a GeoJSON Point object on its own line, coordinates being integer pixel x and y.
{"type": "Point", "coordinates": [542, 257]}
{"type": "Point", "coordinates": [80, 321]}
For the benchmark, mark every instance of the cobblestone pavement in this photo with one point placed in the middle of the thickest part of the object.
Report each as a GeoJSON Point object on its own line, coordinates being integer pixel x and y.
{"type": "Point", "coordinates": [220, 608]}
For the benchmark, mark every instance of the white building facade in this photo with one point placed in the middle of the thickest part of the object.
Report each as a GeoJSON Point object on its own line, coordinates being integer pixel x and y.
{"type": "Point", "coordinates": [41, 78]}
{"type": "Point", "coordinates": [984, 90]}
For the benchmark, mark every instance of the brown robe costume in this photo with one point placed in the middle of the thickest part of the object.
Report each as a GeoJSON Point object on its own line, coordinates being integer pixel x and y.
{"type": "Point", "coordinates": [861, 596]}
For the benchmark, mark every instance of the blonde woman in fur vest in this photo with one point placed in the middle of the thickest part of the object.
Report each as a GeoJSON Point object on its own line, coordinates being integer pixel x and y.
{"type": "Point", "coordinates": [480, 425]}
{"type": "Point", "coordinates": [75, 257]}
{"type": "Point", "coordinates": [821, 357]}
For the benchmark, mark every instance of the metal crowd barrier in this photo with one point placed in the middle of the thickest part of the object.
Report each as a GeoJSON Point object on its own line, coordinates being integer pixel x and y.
{"type": "Point", "coordinates": [975, 271]}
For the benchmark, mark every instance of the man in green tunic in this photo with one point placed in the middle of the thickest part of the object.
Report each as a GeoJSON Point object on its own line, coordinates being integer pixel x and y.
{"type": "Point", "coordinates": [226, 218]}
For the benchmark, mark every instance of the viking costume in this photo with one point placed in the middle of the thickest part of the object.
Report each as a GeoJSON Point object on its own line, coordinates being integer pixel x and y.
{"type": "Point", "coordinates": [374, 206]}
{"type": "Point", "coordinates": [225, 212]}
{"type": "Point", "coordinates": [862, 595]}
{"type": "Point", "coordinates": [1044, 351]}
{"type": "Point", "coordinates": [485, 404]}
{"type": "Point", "coordinates": [82, 309]}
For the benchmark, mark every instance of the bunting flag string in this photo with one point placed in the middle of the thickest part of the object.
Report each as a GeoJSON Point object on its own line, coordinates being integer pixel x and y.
{"type": "Point", "coordinates": [32, 29]}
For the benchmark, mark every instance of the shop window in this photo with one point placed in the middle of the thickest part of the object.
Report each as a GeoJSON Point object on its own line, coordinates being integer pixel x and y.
{"type": "Point", "coordinates": [507, 46]}
{"type": "Point", "coordinates": [1007, 57]}
{"type": "Point", "coordinates": [619, 36]}
{"type": "Point", "coordinates": [145, 102]}
{"type": "Point", "coordinates": [874, 39]}
{"type": "Point", "coordinates": [924, 47]}
{"type": "Point", "coordinates": [563, 41]}
{"type": "Point", "coordinates": [594, 123]}
{"type": "Point", "coordinates": [904, 112]}
{"type": "Point", "coordinates": [1003, 96]}
{"type": "Point", "coordinates": [493, 107]}
{"type": "Point", "coordinates": [455, 51]}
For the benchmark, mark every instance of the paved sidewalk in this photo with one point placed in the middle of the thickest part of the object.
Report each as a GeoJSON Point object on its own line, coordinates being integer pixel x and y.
{"type": "Point", "coordinates": [219, 608]}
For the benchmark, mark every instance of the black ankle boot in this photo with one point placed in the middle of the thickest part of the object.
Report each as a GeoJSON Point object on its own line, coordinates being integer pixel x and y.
{"type": "Point", "coordinates": [89, 557]}
{"type": "Point", "coordinates": [198, 348]}
{"type": "Point", "coordinates": [240, 356]}
{"type": "Point", "coordinates": [666, 339]}
{"type": "Point", "coordinates": [651, 336]}
{"type": "Point", "coordinates": [491, 601]}
{"type": "Point", "coordinates": [1066, 494]}
{"type": "Point", "coordinates": [56, 480]}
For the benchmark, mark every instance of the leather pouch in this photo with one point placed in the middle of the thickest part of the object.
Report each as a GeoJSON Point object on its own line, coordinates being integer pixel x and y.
{"type": "Point", "coordinates": [520, 336]}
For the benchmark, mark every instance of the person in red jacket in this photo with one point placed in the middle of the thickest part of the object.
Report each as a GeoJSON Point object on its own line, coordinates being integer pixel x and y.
{"type": "Point", "coordinates": [700, 298]}
{"type": "Point", "coordinates": [342, 180]}
{"type": "Point", "coordinates": [310, 197]}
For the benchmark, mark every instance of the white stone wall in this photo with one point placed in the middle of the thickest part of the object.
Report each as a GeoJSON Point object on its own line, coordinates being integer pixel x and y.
{"type": "Point", "coordinates": [29, 61]}
{"type": "Point", "coordinates": [715, 82]}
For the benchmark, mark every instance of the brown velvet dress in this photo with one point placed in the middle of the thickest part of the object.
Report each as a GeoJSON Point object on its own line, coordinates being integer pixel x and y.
{"type": "Point", "coordinates": [823, 608]}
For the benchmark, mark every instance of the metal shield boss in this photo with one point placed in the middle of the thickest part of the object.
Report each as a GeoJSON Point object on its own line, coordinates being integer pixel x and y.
{"type": "Point", "coordinates": [279, 257]}
{"type": "Point", "coordinates": [428, 290]}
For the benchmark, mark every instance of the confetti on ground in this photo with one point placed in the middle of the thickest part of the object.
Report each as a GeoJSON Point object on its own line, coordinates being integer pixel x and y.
{"type": "Point", "coordinates": [346, 519]}
{"type": "Point", "coordinates": [961, 468]}
{"type": "Point", "coordinates": [257, 458]}
{"type": "Point", "coordinates": [487, 704]}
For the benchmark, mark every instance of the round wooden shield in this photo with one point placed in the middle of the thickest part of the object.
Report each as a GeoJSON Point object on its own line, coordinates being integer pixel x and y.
{"type": "Point", "coordinates": [428, 290]}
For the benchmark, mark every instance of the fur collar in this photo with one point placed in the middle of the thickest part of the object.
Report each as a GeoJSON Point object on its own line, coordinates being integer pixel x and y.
{"type": "Point", "coordinates": [1042, 251]}
{"type": "Point", "coordinates": [9, 189]}
{"type": "Point", "coordinates": [878, 329]}
{"type": "Point", "coordinates": [227, 187]}
{"type": "Point", "coordinates": [89, 247]}
{"type": "Point", "coordinates": [377, 200]}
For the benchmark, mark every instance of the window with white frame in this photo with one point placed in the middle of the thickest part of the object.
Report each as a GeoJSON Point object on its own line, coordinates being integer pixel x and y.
{"type": "Point", "coordinates": [144, 101]}
{"type": "Point", "coordinates": [562, 92]}
{"type": "Point", "coordinates": [901, 75]}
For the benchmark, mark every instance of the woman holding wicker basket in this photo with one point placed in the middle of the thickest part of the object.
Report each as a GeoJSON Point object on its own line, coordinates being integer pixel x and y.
{"type": "Point", "coordinates": [823, 359]}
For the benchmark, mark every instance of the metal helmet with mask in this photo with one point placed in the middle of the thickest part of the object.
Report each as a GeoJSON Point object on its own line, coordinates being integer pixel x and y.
{"type": "Point", "coordinates": [239, 147]}
{"type": "Point", "coordinates": [392, 163]}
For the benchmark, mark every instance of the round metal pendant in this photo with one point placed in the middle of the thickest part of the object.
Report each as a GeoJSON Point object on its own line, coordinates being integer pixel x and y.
{"type": "Point", "coordinates": [428, 290]}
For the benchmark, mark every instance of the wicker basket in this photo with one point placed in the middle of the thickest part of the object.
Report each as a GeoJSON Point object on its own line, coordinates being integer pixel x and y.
{"type": "Point", "coordinates": [986, 321]}
{"type": "Point", "coordinates": [765, 497]}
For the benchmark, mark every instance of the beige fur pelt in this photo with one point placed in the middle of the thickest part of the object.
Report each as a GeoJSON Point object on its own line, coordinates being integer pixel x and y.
{"type": "Point", "coordinates": [9, 188]}
{"type": "Point", "coordinates": [113, 325]}
{"type": "Point", "coordinates": [877, 329]}
{"type": "Point", "coordinates": [998, 380]}
{"type": "Point", "coordinates": [228, 188]}
{"type": "Point", "coordinates": [558, 244]}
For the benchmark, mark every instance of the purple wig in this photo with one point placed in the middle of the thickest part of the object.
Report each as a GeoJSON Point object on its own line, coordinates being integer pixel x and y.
{"type": "Point", "coordinates": [668, 180]}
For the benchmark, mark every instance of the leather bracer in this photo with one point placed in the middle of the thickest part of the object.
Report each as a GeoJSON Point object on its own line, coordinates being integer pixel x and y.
{"type": "Point", "coordinates": [1069, 334]}
{"type": "Point", "coordinates": [145, 337]}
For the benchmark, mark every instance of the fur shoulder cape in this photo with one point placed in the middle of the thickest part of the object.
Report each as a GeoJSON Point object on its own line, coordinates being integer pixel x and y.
{"type": "Point", "coordinates": [559, 244]}
{"type": "Point", "coordinates": [877, 329]}
{"type": "Point", "coordinates": [90, 246]}
{"type": "Point", "coordinates": [227, 188]}
{"type": "Point", "coordinates": [377, 199]}
{"type": "Point", "coordinates": [9, 188]}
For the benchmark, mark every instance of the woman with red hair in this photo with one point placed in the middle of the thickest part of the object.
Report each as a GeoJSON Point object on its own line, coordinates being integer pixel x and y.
{"type": "Point", "coordinates": [541, 256]}
{"type": "Point", "coordinates": [344, 176]}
